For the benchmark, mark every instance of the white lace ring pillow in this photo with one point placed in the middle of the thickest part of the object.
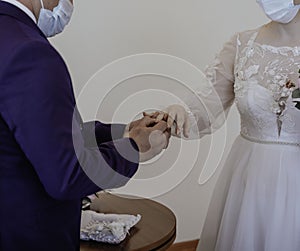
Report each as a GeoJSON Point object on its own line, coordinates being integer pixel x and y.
{"type": "Point", "coordinates": [108, 228]}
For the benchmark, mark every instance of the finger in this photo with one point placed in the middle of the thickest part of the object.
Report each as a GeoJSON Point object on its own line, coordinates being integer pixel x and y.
{"type": "Point", "coordinates": [155, 114]}
{"type": "Point", "coordinates": [167, 134]}
{"type": "Point", "coordinates": [173, 130]}
{"type": "Point", "coordinates": [160, 116]}
{"type": "Point", "coordinates": [157, 141]}
{"type": "Point", "coordinates": [147, 121]}
{"type": "Point", "coordinates": [180, 120]}
{"type": "Point", "coordinates": [145, 114]}
{"type": "Point", "coordinates": [166, 115]}
{"type": "Point", "coordinates": [151, 114]}
{"type": "Point", "coordinates": [187, 127]}
{"type": "Point", "coordinates": [171, 118]}
{"type": "Point", "coordinates": [161, 126]}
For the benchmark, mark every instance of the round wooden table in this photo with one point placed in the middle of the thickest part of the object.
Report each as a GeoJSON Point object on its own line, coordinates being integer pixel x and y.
{"type": "Point", "coordinates": [155, 231]}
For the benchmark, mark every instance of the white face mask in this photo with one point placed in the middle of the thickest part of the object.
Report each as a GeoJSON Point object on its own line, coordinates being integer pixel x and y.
{"type": "Point", "coordinates": [282, 11]}
{"type": "Point", "coordinates": [54, 22]}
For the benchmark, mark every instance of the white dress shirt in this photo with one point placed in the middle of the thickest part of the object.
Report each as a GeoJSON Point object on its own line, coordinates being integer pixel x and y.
{"type": "Point", "coordinates": [22, 7]}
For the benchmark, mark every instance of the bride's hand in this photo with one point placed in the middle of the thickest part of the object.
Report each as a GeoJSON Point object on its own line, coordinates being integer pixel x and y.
{"type": "Point", "coordinates": [176, 117]}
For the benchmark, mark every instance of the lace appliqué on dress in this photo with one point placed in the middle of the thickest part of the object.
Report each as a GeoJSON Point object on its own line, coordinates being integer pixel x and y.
{"type": "Point", "coordinates": [211, 76]}
{"type": "Point", "coordinates": [272, 68]}
{"type": "Point", "coordinates": [242, 74]}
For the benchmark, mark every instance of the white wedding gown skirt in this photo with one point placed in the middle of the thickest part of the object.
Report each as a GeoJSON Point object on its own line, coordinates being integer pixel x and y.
{"type": "Point", "coordinates": [262, 208]}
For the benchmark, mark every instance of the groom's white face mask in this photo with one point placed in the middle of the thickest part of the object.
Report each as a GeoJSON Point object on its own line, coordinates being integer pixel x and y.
{"type": "Point", "coordinates": [54, 22]}
{"type": "Point", "coordinates": [282, 11]}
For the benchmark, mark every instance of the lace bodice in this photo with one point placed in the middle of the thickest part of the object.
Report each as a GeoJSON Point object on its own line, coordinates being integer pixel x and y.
{"type": "Point", "coordinates": [255, 77]}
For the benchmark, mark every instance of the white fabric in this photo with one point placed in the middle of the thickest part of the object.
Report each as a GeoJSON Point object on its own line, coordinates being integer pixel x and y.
{"type": "Point", "coordinates": [209, 106]}
{"type": "Point", "coordinates": [54, 22]}
{"type": "Point", "coordinates": [282, 11]}
{"type": "Point", "coordinates": [256, 204]}
{"type": "Point", "coordinates": [22, 7]}
{"type": "Point", "coordinates": [108, 228]}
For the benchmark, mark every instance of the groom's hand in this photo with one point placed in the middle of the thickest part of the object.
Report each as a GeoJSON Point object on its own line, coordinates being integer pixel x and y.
{"type": "Point", "coordinates": [150, 136]}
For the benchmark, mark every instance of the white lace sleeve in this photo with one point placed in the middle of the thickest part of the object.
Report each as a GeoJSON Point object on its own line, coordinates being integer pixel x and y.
{"type": "Point", "coordinates": [209, 104]}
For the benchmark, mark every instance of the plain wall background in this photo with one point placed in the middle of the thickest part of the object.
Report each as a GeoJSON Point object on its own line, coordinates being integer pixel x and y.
{"type": "Point", "coordinates": [194, 30]}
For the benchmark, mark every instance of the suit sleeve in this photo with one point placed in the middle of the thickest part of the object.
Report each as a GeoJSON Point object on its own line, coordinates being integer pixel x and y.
{"type": "Point", "coordinates": [40, 110]}
{"type": "Point", "coordinates": [96, 133]}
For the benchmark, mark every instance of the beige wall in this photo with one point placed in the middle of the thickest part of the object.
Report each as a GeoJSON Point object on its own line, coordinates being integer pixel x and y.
{"type": "Point", "coordinates": [193, 30]}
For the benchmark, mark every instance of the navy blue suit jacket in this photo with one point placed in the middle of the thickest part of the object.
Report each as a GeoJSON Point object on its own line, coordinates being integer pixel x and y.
{"type": "Point", "coordinates": [42, 177]}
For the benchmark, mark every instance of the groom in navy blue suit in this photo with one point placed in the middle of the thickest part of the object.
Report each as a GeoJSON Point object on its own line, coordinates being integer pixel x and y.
{"type": "Point", "coordinates": [47, 154]}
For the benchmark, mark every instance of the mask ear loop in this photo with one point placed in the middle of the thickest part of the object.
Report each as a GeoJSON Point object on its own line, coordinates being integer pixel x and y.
{"type": "Point", "coordinates": [42, 3]}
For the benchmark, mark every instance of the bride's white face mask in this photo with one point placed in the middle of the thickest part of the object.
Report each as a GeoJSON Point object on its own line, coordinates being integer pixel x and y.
{"type": "Point", "coordinates": [282, 11]}
{"type": "Point", "coordinates": [54, 22]}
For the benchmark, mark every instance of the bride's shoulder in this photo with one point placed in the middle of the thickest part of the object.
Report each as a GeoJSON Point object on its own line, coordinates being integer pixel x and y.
{"type": "Point", "coordinates": [246, 35]}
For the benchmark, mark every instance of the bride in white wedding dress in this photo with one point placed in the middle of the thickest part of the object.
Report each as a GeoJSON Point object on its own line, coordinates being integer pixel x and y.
{"type": "Point", "coordinates": [256, 202]}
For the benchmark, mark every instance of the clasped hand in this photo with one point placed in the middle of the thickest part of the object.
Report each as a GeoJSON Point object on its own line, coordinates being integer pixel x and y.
{"type": "Point", "coordinates": [150, 136]}
{"type": "Point", "coordinates": [152, 132]}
